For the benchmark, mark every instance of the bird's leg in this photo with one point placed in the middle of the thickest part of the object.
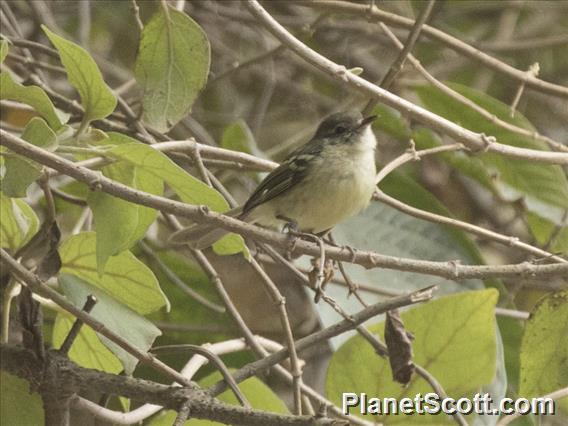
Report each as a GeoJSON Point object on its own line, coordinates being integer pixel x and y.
{"type": "Point", "coordinates": [292, 229]}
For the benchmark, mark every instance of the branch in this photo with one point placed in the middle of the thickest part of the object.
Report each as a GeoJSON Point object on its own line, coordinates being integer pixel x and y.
{"type": "Point", "coordinates": [327, 333]}
{"type": "Point", "coordinates": [376, 14]}
{"type": "Point", "coordinates": [76, 379]}
{"type": "Point", "coordinates": [474, 141]}
{"type": "Point", "coordinates": [451, 270]}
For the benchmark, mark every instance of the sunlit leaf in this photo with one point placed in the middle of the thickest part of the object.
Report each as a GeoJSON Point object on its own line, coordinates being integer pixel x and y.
{"type": "Point", "coordinates": [117, 317]}
{"type": "Point", "coordinates": [172, 66]}
{"type": "Point", "coordinates": [460, 353]}
{"type": "Point", "coordinates": [3, 50]}
{"type": "Point", "coordinates": [125, 277]}
{"type": "Point", "coordinates": [87, 349]}
{"type": "Point", "coordinates": [18, 404]}
{"type": "Point", "coordinates": [96, 97]}
{"type": "Point", "coordinates": [32, 96]}
{"type": "Point", "coordinates": [18, 223]}
{"type": "Point", "coordinates": [260, 396]}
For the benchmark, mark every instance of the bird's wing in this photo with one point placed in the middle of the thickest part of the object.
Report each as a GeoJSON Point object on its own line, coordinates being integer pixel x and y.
{"type": "Point", "coordinates": [284, 177]}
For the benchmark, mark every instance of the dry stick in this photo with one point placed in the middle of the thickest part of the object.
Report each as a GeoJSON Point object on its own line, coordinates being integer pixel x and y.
{"type": "Point", "coordinates": [405, 51]}
{"type": "Point", "coordinates": [280, 302]}
{"type": "Point", "coordinates": [451, 269]}
{"type": "Point", "coordinates": [453, 43]}
{"type": "Point", "coordinates": [532, 71]}
{"type": "Point", "coordinates": [173, 277]}
{"type": "Point", "coordinates": [136, 13]}
{"type": "Point", "coordinates": [76, 327]}
{"type": "Point", "coordinates": [214, 358]}
{"type": "Point", "coordinates": [182, 415]}
{"type": "Point", "coordinates": [42, 289]}
{"type": "Point", "coordinates": [469, 103]}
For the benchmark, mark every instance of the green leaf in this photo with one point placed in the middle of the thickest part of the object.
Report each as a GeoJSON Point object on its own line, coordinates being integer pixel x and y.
{"type": "Point", "coordinates": [238, 137]}
{"type": "Point", "coordinates": [125, 278]}
{"type": "Point", "coordinates": [260, 396]}
{"type": "Point", "coordinates": [87, 349]}
{"type": "Point", "coordinates": [3, 50]}
{"type": "Point", "coordinates": [172, 66]}
{"type": "Point", "coordinates": [119, 223]}
{"type": "Point", "coordinates": [96, 97]}
{"type": "Point", "coordinates": [544, 188]}
{"type": "Point", "coordinates": [32, 96]}
{"type": "Point", "coordinates": [454, 340]}
{"type": "Point", "coordinates": [544, 352]}
{"type": "Point", "coordinates": [21, 172]}
{"type": "Point", "coordinates": [545, 231]}
{"type": "Point", "coordinates": [18, 405]}
{"type": "Point", "coordinates": [18, 223]}
{"type": "Point", "coordinates": [137, 330]}
{"type": "Point", "coordinates": [391, 122]}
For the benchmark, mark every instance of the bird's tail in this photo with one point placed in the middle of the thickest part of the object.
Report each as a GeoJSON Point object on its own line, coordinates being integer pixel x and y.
{"type": "Point", "coordinates": [201, 236]}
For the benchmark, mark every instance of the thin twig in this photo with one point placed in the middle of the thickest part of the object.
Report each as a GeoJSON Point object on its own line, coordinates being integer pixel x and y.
{"type": "Point", "coordinates": [76, 327]}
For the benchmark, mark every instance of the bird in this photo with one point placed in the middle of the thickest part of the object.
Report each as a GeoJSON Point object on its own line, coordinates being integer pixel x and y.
{"type": "Point", "coordinates": [317, 186]}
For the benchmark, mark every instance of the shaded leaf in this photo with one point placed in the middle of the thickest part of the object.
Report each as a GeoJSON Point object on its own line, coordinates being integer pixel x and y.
{"type": "Point", "coordinates": [96, 97]}
{"type": "Point", "coordinates": [172, 66]}
{"type": "Point", "coordinates": [136, 329]}
{"type": "Point", "coordinates": [18, 223]}
{"type": "Point", "coordinates": [87, 350]}
{"type": "Point", "coordinates": [544, 188]}
{"type": "Point", "coordinates": [544, 352]}
{"type": "Point", "coordinates": [237, 136]}
{"type": "Point", "coordinates": [125, 277]}
{"type": "Point", "coordinates": [32, 96]}
{"type": "Point", "coordinates": [21, 172]}
{"type": "Point", "coordinates": [18, 405]}
{"type": "Point", "coordinates": [459, 352]}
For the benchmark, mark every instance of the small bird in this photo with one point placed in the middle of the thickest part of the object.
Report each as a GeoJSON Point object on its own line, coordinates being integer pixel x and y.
{"type": "Point", "coordinates": [319, 185]}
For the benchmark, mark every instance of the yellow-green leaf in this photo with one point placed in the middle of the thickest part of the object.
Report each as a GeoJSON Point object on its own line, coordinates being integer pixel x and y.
{"type": "Point", "coordinates": [125, 277]}
{"type": "Point", "coordinates": [87, 350]}
{"type": "Point", "coordinates": [96, 97]}
{"type": "Point", "coordinates": [18, 223]}
{"type": "Point", "coordinates": [18, 404]}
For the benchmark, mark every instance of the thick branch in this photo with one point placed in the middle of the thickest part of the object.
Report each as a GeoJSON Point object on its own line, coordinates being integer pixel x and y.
{"type": "Point", "coordinates": [75, 379]}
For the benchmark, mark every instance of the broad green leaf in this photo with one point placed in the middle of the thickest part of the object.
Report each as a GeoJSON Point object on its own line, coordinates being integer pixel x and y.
{"type": "Point", "coordinates": [172, 66]}
{"type": "Point", "coordinates": [189, 189]}
{"type": "Point", "coordinates": [96, 97]}
{"type": "Point", "coordinates": [544, 188]}
{"type": "Point", "coordinates": [119, 223]}
{"type": "Point", "coordinates": [18, 223]}
{"type": "Point", "coordinates": [125, 277]}
{"type": "Point", "coordinates": [87, 349]}
{"type": "Point", "coordinates": [238, 137]}
{"type": "Point", "coordinates": [544, 351]}
{"type": "Point", "coordinates": [136, 329]}
{"type": "Point", "coordinates": [390, 121]}
{"type": "Point", "coordinates": [32, 96]}
{"type": "Point", "coordinates": [18, 404]}
{"type": "Point", "coordinates": [454, 340]}
{"type": "Point", "coordinates": [544, 232]}
{"type": "Point", "coordinates": [260, 396]}
{"type": "Point", "coordinates": [3, 50]}
{"type": "Point", "coordinates": [21, 172]}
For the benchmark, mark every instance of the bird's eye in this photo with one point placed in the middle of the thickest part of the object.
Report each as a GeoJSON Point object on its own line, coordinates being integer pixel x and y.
{"type": "Point", "coordinates": [340, 129]}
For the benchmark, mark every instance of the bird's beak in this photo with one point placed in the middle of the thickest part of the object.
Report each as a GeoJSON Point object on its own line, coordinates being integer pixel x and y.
{"type": "Point", "coordinates": [367, 120]}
